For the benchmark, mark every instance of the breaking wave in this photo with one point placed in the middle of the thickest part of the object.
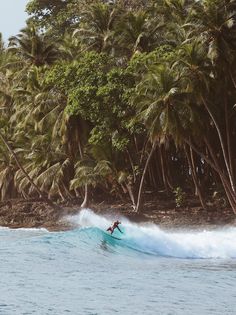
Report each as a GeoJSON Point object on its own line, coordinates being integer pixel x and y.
{"type": "Point", "coordinates": [150, 239]}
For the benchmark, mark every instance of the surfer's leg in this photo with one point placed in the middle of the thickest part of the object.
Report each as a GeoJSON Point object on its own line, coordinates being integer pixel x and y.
{"type": "Point", "coordinates": [112, 230]}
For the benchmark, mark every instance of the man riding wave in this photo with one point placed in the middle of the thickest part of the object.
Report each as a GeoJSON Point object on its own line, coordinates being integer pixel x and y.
{"type": "Point", "coordinates": [114, 226]}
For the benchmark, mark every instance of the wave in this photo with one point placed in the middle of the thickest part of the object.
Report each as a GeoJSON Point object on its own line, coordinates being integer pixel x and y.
{"type": "Point", "coordinates": [150, 239]}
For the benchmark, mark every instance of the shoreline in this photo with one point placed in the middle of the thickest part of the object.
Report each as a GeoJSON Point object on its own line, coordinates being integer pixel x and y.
{"type": "Point", "coordinates": [20, 213]}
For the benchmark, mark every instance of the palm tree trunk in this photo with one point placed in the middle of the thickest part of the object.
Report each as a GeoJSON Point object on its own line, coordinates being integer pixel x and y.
{"type": "Point", "coordinates": [41, 194]}
{"type": "Point", "coordinates": [194, 173]}
{"type": "Point", "coordinates": [138, 205]}
{"type": "Point", "coordinates": [224, 179]}
{"type": "Point", "coordinates": [131, 194]}
{"type": "Point", "coordinates": [214, 165]}
{"type": "Point", "coordinates": [232, 78]}
{"type": "Point", "coordinates": [153, 173]}
{"type": "Point", "coordinates": [167, 168]}
{"type": "Point", "coordinates": [163, 170]}
{"type": "Point", "coordinates": [227, 124]}
{"type": "Point", "coordinates": [221, 143]}
{"type": "Point", "coordinates": [143, 151]}
{"type": "Point", "coordinates": [132, 165]}
{"type": "Point", "coordinates": [85, 201]}
{"type": "Point", "coordinates": [135, 144]}
{"type": "Point", "coordinates": [158, 176]}
{"type": "Point", "coordinates": [229, 193]}
{"type": "Point", "coordinates": [80, 149]}
{"type": "Point", "coordinates": [194, 177]}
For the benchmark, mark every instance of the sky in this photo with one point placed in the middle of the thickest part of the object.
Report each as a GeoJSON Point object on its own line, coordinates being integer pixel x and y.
{"type": "Point", "coordinates": [12, 17]}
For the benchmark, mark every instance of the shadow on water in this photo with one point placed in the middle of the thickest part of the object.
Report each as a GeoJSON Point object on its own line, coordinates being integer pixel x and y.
{"type": "Point", "coordinates": [105, 247]}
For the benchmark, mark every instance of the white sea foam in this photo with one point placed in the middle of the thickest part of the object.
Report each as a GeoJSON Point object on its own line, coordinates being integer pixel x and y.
{"type": "Point", "coordinates": [151, 239]}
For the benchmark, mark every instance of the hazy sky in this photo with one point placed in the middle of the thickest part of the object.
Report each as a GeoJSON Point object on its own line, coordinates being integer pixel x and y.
{"type": "Point", "coordinates": [12, 17]}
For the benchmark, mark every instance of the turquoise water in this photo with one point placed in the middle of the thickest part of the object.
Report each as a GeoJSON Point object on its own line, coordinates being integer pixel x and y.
{"type": "Point", "coordinates": [85, 271]}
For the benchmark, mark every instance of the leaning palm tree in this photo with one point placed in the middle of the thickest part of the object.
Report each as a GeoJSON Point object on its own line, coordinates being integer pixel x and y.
{"type": "Point", "coordinates": [161, 107]}
{"type": "Point", "coordinates": [11, 151]}
{"type": "Point", "coordinates": [41, 123]}
{"type": "Point", "coordinates": [216, 21]}
{"type": "Point", "coordinates": [52, 176]}
{"type": "Point", "coordinates": [203, 84]}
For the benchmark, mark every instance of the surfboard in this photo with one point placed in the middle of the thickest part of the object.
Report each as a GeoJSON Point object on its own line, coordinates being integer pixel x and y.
{"type": "Point", "coordinates": [112, 236]}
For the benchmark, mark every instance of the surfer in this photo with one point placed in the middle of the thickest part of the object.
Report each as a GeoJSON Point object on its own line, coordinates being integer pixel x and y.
{"type": "Point", "coordinates": [114, 226]}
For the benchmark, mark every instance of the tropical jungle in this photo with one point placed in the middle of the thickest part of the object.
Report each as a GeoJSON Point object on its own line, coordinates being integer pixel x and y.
{"type": "Point", "coordinates": [121, 102]}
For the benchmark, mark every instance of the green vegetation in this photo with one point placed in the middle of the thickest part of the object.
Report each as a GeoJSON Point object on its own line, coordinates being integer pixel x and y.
{"type": "Point", "coordinates": [109, 97]}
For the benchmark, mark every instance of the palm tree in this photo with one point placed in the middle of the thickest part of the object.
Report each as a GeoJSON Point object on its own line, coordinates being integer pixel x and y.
{"type": "Point", "coordinates": [11, 151]}
{"type": "Point", "coordinates": [217, 23]}
{"type": "Point", "coordinates": [28, 178]}
{"type": "Point", "coordinates": [97, 24]}
{"type": "Point", "coordinates": [89, 173]}
{"type": "Point", "coordinates": [175, 11]}
{"type": "Point", "coordinates": [70, 47]}
{"type": "Point", "coordinates": [42, 124]}
{"type": "Point", "coordinates": [138, 32]}
{"type": "Point", "coordinates": [202, 83]}
{"type": "Point", "coordinates": [160, 104]}
{"type": "Point", "coordinates": [33, 48]}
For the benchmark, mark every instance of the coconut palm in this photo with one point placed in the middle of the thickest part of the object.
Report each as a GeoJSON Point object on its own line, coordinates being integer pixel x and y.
{"type": "Point", "coordinates": [203, 85]}
{"type": "Point", "coordinates": [161, 106]}
{"type": "Point", "coordinates": [176, 11]}
{"type": "Point", "coordinates": [11, 151]}
{"type": "Point", "coordinates": [40, 122]}
{"type": "Point", "coordinates": [33, 48]}
{"type": "Point", "coordinates": [70, 47]}
{"type": "Point", "coordinates": [45, 160]}
{"type": "Point", "coordinates": [138, 32]}
{"type": "Point", "coordinates": [89, 173]}
{"type": "Point", "coordinates": [217, 23]}
{"type": "Point", "coordinates": [96, 30]}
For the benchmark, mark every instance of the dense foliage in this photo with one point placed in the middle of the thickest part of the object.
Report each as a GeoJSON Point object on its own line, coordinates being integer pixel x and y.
{"type": "Point", "coordinates": [109, 97]}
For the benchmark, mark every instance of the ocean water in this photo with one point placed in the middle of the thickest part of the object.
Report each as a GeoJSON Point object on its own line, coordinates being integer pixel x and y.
{"type": "Point", "coordinates": [85, 271]}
